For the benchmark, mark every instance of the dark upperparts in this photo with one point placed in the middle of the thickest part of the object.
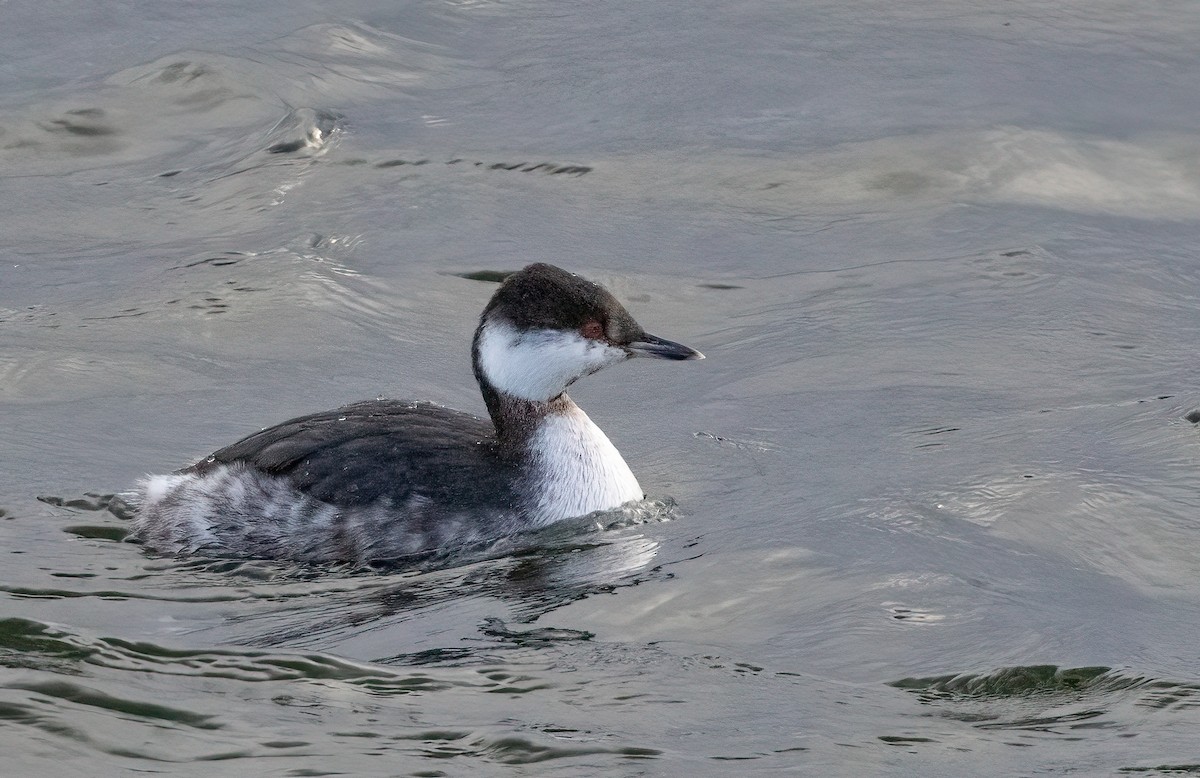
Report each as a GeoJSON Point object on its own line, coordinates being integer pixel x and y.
{"type": "Point", "coordinates": [360, 453]}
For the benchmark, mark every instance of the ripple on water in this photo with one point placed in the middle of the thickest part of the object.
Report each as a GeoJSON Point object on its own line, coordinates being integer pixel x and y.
{"type": "Point", "coordinates": [383, 611]}
{"type": "Point", "coordinates": [31, 644]}
{"type": "Point", "coordinates": [79, 689]}
{"type": "Point", "coordinates": [1047, 701]}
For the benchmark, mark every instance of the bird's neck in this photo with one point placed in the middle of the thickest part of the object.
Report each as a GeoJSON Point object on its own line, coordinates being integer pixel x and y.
{"type": "Point", "coordinates": [572, 468]}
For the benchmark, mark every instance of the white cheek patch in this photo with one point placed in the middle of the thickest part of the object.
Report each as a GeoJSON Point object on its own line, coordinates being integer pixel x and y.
{"type": "Point", "coordinates": [538, 365]}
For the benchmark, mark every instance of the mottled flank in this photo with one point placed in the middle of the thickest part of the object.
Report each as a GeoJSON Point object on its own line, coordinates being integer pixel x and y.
{"type": "Point", "coordinates": [236, 510]}
{"type": "Point", "coordinates": [375, 480]}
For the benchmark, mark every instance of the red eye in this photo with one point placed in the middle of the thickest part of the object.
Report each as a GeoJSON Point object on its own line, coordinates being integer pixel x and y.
{"type": "Point", "coordinates": [593, 330]}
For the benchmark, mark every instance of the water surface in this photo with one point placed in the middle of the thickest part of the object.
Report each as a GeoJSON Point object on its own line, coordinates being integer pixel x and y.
{"type": "Point", "coordinates": [927, 509]}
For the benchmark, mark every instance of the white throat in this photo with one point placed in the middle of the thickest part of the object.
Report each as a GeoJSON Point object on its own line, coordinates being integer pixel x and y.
{"type": "Point", "coordinates": [537, 365]}
{"type": "Point", "coordinates": [575, 469]}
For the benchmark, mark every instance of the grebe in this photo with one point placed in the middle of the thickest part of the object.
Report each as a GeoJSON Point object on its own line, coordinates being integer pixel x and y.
{"type": "Point", "coordinates": [385, 479]}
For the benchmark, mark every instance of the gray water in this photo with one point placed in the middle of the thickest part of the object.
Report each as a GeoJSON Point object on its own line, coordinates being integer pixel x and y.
{"type": "Point", "coordinates": [929, 507]}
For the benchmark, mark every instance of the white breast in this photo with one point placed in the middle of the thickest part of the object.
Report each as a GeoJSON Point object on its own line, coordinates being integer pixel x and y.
{"type": "Point", "coordinates": [576, 469]}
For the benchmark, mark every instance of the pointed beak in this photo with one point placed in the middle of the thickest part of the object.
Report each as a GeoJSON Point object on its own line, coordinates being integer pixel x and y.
{"type": "Point", "coordinates": [650, 346]}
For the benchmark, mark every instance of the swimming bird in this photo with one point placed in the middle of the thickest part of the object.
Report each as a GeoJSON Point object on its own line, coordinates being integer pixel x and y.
{"type": "Point", "coordinates": [386, 479]}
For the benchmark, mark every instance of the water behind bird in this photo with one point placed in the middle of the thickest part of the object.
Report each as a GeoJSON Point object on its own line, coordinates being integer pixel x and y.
{"type": "Point", "coordinates": [931, 494]}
